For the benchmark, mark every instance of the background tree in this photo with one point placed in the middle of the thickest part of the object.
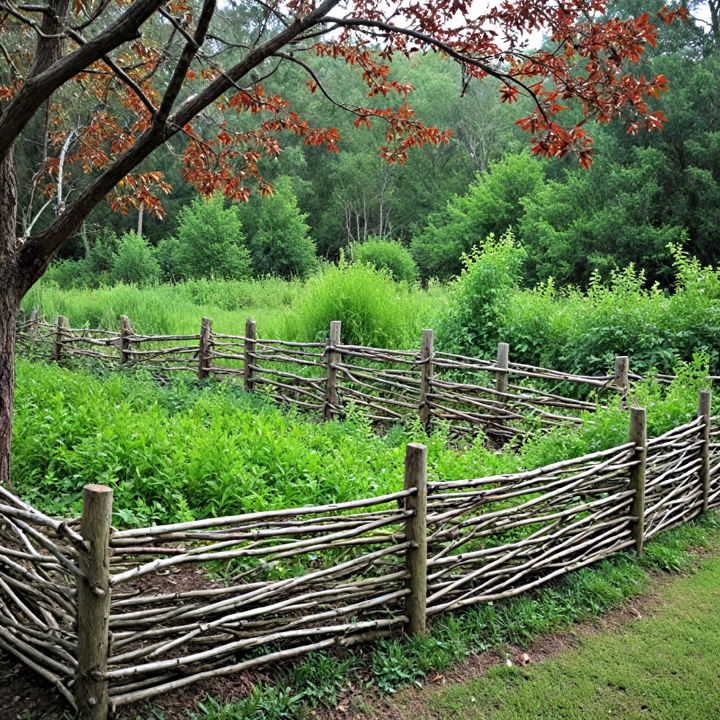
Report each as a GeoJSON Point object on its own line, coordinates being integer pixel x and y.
{"type": "Point", "coordinates": [279, 243]}
{"type": "Point", "coordinates": [101, 86]}
{"type": "Point", "coordinates": [491, 204]}
{"type": "Point", "coordinates": [209, 242]}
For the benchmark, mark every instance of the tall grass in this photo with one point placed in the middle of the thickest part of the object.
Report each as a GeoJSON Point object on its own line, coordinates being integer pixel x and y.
{"type": "Point", "coordinates": [374, 309]}
{"type": "Point", "coordinates": [171, 308]}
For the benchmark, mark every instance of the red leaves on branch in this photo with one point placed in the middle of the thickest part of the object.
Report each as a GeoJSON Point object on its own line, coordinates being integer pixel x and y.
{"type": "Point", "coordinates": [584, 74]}
{"type": "Point", "coordinates": [138, 191]}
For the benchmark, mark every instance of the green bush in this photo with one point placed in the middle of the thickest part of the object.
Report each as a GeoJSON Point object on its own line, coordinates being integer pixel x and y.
{"type": "Point", "coordinates": [386, 255]}
{"type": "Point", "coordinates": [209, 243]}
{"type": "Point", "coordinates": [373, 308]}
{"type": "Point", "coordinates": [134, 261]}
{"type": "Point", "coordinates": [280, 244]}
{"type": "Point", "coordinates": [479, 298]}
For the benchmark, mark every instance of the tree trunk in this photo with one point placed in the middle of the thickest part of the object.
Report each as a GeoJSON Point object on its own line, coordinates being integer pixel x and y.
{"type": "Point", "coordinates": [9, 306]}
{"type": "Point", "coordinates": [8, 318]}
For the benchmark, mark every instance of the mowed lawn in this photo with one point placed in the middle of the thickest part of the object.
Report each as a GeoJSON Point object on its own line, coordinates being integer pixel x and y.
{"type": "Point", "coordinates": [665, 666]}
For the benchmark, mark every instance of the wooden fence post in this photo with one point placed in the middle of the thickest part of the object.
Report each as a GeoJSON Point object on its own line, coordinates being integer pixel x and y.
{"type": "Point", "coordinates": [638, 435]}
{"type": "Point", "coordinates": [503, 362]}
{"type": "Point", "coordinates": [332, 357]}
{"type": "Point", "coordinates": [416, 533]}
{"type": "Point", "coordinates": [426, 375]}
{"type": "Point", "coordinates": [621, 375]}
{"type": "Point", "coordinates": [704, 412]}
{"type": "Point", "coordinates": [35, 321]}
{"type": "Point", "coordinates": [125, 332]}
{"type": "Point", "coordinates": [204, 348]}
{"type": "Point", "coordinates": [93, 604]}
{"type": "Point", "coordinates": [61, 327]}
{"type": "Point", "coordinates": [248, 353]}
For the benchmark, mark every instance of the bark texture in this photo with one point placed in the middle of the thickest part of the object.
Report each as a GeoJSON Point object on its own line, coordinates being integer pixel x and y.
{"type": "Point", "coordinates": [9, 306]}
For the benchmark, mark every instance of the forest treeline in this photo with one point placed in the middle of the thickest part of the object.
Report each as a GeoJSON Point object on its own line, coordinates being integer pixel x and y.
{"type": "Point", "coordinates": [643, 193]}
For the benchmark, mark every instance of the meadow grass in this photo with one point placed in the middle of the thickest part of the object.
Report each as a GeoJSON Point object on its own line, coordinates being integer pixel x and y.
{"type": "Point", "coordinates": [373, 308]}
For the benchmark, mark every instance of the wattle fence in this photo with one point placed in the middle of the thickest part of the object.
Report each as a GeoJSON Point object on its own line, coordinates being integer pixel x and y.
{"type": "Point", "coordinates": [504, 399]}
{"type": "Point", "coordinates": [112, 617]}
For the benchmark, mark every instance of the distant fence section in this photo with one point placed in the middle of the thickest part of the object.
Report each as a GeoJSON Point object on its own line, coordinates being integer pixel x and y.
{"type": "Point", "coordinates": [111, 617]}
{"type": "Point", "coordinates": [502, 398]}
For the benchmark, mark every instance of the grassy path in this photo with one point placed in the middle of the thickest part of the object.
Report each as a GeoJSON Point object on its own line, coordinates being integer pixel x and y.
{"type": "Point", "coordinates": [662, 667]}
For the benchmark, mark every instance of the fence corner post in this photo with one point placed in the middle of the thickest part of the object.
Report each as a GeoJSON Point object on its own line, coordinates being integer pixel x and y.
{"type": "Point", "coordinates": [248, 354]}
{"type": "Point", "coordinates": [332, 358]}
{"type": "Point", "coordinates": [426, 376]}
{"type": "Point", "coordinates": [638, 435]}
{"type": "Point", "coordinates": [503, 363]}
{"type": "Point", "coordinates": [416, 533]}
{"type": "Point", "coordinates": [93, 604]}
{"type": "Point", "coordinates": [61, 331]}
{"type": "Point", "coordinates": [204, 359]}
{"type": "Point", "coordinates": [125, 333]}
{"type": "Point", "coordinates": [621, 375]}
{"type": "Point", "coordinates": [704, 412]}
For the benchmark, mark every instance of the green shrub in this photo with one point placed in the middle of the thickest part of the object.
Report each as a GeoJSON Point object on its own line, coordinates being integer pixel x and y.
{"type": "Point", "coordinates": [479, 298]}
{"type": "Point", "coordinates": [386, 255]}
{"type": "Point", "coordinates": [209, 243]}
{"type": "Point", "coordinates": [373, 308]}
{"type": "Point", "coordinates": [280, 244]}
{"type": "Point", "coordinates": [134, 261]}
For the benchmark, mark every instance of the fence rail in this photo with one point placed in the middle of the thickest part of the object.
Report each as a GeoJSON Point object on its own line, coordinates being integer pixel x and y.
{"type": "Point", "coordinates": [502, 398]}
{"type": "Point", "coordinates": [111, 617]}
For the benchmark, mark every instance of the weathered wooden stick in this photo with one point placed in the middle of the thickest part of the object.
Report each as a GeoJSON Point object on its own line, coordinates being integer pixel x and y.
{"type": "Point", "coordinates": [416, 534]}
{"type": "Point", "coordinates": [61, 330]}
{"type": "Point", "coordinates": [248, 354]}
{"type": "Point", "coordinates": [621, 375]}
{"type": "Point", "coordinates": [503, 360]}
{"type": "Point", "coordinates": [91, 687]}
{"type": "Point", "coordinates": [638, 435]}
{"type": "Point", "coordinates": [125, 332]}
{"type": "Point", "coordinates": [332, 357]}
{"type": "Point", "coordinates": [35, 321]}
{"type": "Point", "coordinates": [704, 412]}
{"type": "Point", "coordinates": [204, 348]}
{"type": "Point", "coordinates": [426, 369]}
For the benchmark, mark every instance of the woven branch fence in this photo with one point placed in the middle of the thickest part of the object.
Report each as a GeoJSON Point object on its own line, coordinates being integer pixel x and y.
{"type": "Point", "coordinates": [503, 399]}
{"type": "Point", "coordinates": [113, 617]}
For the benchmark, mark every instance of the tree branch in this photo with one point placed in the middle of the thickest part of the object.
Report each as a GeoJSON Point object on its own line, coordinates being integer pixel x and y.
{"type": "Point", "coordinates": [40, 87]}
{"type": "Point", "coordinates": [38, 250]}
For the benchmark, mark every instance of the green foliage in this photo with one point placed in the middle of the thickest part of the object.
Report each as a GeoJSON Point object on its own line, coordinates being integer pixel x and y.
{"type": "Point", "coordinates": [594, 221]}
{"type": "Point", "coordinates": [386, 255]}
{"type": "Point", "coordinates": [90, 271]}
{"type": "Point", "coordinates": [209, 243]}
{"type": "Point", "coordinates": [373, 308]}
{"type": "Point", "coordinates": [134, 261]}
{"type": "Point", "coordinates": [583, 331]}
{"type": "Point", "coordinates": [194, 449]}
{"type": "Point", "coordinates": [265, 702]}
{"type": "Point", "coordinates": [478, 299]}
{"type": "Point", "coordinates": [321, 675]}
{"type": "Point", "coordinates": [279, 242]}
{"type": "Point", "coordinates": [491, 205]}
